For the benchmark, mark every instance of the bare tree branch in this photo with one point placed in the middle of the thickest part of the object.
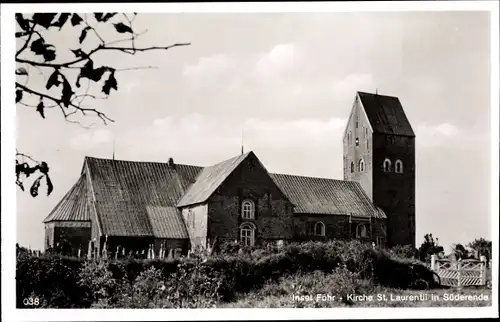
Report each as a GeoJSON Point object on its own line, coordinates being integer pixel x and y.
{"type": "Point", "coordinates": [66, 76]}
{"type": "Point", "coordinates": [59, 102]}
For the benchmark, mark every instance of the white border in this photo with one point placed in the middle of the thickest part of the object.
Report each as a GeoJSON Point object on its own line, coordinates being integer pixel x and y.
{"type": "Point", "coordinates": [7, 149]}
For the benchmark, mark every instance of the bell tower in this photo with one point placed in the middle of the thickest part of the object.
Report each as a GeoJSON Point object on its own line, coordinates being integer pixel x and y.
{"type": "Point", "coordinates": [379, 153]}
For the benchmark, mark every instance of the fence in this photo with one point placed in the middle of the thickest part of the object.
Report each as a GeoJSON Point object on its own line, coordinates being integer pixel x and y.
{"type": "Point", "coordinates": [460, 273]}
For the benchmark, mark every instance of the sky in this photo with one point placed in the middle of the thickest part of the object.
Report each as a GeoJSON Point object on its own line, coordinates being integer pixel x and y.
{"type": "Point", "coordinates": [284, 84]}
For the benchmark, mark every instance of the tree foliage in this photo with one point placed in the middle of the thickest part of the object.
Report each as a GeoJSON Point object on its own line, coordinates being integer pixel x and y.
{"type": "Point", "coordinates": [482, 246]}
{"type": "Point", "coordinates": [68, 82]}
{"type": "Point", "coordinates": [429, 247]}
{"type": "Point", "coordinates": [461, 252]}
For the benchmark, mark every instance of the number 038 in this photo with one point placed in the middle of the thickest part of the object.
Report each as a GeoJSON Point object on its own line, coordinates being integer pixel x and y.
{"type": "Point", "coordinates": [31, 301]}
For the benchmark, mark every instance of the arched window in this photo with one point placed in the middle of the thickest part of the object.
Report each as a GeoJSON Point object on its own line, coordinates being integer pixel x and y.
{"type": "Point", "coordinates": [247, 234]}
{"type": "Point", "coordinates": [319, 229]}
{"type": "Point", "coordinates": [352, 167]}
{"type": "Point", "coordinates": [399, 166]}
{"type": "Point", "coordinates": [361, 231]}
{"type": "Point", "coordinates": [361, 165]}
{"type": "Point", "coordinates": [387, 165]}
{"type": "Point", "coordinates": [247, 209]}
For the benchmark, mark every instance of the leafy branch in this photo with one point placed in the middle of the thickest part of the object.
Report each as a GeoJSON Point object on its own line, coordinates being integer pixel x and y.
{"type": "Point", "coordinates": [63, 79]}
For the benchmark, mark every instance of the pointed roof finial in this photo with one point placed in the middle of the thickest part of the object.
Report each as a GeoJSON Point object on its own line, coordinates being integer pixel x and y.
{"type": "Point", "coordinates": [113, 149]}
{"type": "Point", "coordinates": [242, 150]}
{"type": "Point", "coordinates": [376, 91]}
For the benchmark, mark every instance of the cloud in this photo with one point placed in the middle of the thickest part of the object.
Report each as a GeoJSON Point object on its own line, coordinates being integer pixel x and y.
{"type": "Point", "coordinates": [281, 59]}
{"type": "Point", "coordinates": [208, 69]}
{"type": "Point", "coordinates": [352, 83]}
{"type": "Point", "coordinates": [301, 133]}
{"type": "Point", "coordinates": [205, 139]}
{"type": "Point", "coordinates": [88, 140]}
{"type": "Point", "coordinates": [435, 135]}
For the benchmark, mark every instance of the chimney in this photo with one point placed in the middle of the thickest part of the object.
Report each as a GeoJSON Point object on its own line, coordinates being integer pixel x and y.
{"type": "Point", "coordinates": [171, 163]}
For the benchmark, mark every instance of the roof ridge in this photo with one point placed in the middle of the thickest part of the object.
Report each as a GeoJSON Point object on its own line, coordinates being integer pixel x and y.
{"type": "Point", "coordinates": [377, 94]}
{"type": "Point", "coordinates": [304, 176]}
{"type": "Point", "coordinates": [219, 176]}
{"type": "Point", "coordinates": [142, 162]}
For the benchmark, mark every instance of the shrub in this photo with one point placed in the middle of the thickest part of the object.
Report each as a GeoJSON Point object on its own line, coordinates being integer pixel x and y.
{"type": "Point", "coordinates": [98, 281]}
{"type": "Point", "coordinates": [338, 283]}
{"type": "Point", "coordinates": [53, 281]}
{"type": "Point", "coordinates": [406, 251]}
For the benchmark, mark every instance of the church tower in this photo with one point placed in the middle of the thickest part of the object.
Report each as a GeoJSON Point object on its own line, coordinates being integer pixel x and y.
{"type": "Point", "coordinates": [379, 153]}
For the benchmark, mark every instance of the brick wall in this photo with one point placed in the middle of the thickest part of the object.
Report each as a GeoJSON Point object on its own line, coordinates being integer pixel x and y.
{"type": "Point", "coordinates": [395, 192]}
{"type": "Point", "coordinates": [336, 227]}
{"type": "Point", "coordinates": [359, 127]}
{"type": "Point", "coordinates": [273, 216]}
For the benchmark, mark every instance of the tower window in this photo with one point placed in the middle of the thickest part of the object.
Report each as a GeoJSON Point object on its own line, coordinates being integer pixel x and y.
{"type": "Point", "coordinates": [247, 210]}
{"type": "Point", "coordinates": [352, 167]}
{"type": "Point", "coordinates": [357, 141]}
{"type": "Point", "coordinates": [399, 166]}
{"type": "Point", "coordinates": [361, 231]}
{"type": "Point", "coordinates": [361, 165]}
{"type": "Point", "coordinates": [319, 229]}
{"type": "Point", "coordinates": [387, 165]}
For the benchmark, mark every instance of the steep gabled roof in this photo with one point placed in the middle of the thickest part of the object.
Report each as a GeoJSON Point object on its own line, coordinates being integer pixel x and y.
{"type": "Point", "coordinates": [209, 180]}
{"type": "Point", "coordinates": [386, 114]}
{"type": "Point", "coordinates": [142, 198]}
{"type": "Point", "coordinates": [166, 222]}
{"type": "Point", "coordinates": [72, 207]}
{"type": "Point", "coordinates": [127, 195]}
{"type": "Point", "coordinates": [312, 195]}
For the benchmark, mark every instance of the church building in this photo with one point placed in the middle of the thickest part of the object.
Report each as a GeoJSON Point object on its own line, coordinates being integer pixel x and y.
{"type": "Point", "coordinates": [135, 204]}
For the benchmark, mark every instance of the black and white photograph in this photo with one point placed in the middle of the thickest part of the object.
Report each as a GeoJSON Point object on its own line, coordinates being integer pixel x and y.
{"type": "Point", "coordinates": [221, 157]}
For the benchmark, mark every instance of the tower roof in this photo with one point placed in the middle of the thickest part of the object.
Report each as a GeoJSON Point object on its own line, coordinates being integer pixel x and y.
{"type": "Point", "coordinates": [386, 114]}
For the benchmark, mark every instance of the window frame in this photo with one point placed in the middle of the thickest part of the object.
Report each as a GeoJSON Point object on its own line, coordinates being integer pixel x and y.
{"type": "Point", "coordinates": [400, 163]}
{"type": "Point", "coordinates": [322, 229]}
{"type": "Point", "coordinates": [358, 235]}
{"type": "Point", "coordinates": [247, 234]}
{"type": "Point", "coordinates": [361, 165]}
{"type": "Point", "coordinates": [250, 211]}
{"type": "Point", "coordinates": [387, 168]}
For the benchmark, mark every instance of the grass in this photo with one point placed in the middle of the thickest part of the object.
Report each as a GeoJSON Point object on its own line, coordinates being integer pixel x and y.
{"type": "Point", "coordinates": [320, 290]}
{"type": "Point", "coordinates": [255, 300]}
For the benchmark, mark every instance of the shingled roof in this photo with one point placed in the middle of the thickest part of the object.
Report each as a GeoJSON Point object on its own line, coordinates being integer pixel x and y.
{"type": "Point", "coordinates": [312, 195]}
{"type": "Point", "coordinates": [209, 180]}
{"type": "Point", "coordinates": [386, 114]}
{"type": "Point", "coordinates": [136, 198]}
{"type": "Point", "coordinates": [144, 198]}
{"type": "Point", "coordinates": [72, 207]}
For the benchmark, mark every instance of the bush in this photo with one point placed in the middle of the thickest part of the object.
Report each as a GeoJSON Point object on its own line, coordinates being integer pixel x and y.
{"type": "Point", "coordinates": [190, 282]}
{"type": "Point", "coordinates": [405, 251]}
{"type": "Point", "coordinates": [52, 281]}
{"type": "Point", "coordinates": [98, 280]}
